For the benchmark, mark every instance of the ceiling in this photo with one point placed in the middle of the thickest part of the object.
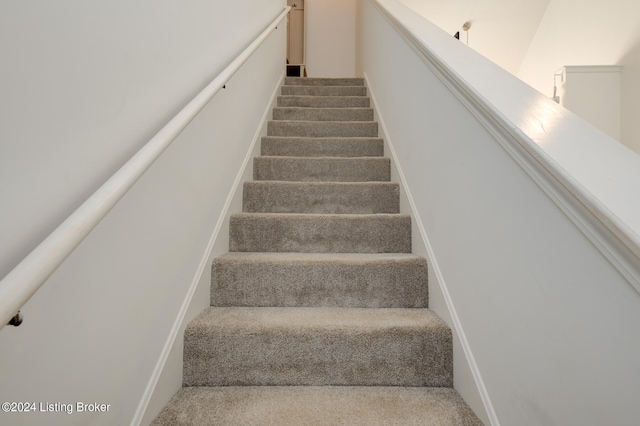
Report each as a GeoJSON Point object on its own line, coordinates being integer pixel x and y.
{"type": "Point", "coordinates": [501, 30]}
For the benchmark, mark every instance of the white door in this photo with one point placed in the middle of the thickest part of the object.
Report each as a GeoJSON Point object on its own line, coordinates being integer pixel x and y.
{"type": "Point", "coordinates": [295, 32]}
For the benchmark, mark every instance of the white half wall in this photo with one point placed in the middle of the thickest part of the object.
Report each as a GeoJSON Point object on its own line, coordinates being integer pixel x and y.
{"type": "Point", "coordinates": [106, 327]}
{"type": "Point", "coordinates": [331, 38]}
{"type": "Point", "coordinates": [530, 223]}
{"type": "Point", "coordinates": [590, 33]}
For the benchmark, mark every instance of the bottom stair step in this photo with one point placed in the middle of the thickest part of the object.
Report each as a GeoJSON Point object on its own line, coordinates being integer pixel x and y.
{"type": "Point", "coordinates": [326, 405]}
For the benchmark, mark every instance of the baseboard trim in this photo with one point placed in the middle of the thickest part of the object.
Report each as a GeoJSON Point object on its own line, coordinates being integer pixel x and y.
{"type": "Point", "coordinates": [202, 267]}
{"type": "Point", "coordinates": [433, 265]}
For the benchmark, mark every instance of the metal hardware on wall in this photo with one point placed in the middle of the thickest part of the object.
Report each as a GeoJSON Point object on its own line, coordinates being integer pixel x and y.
{"type": "Point", "coordinates": [555, 97]}
{"type": "Point", "coordinates": [466, 27]}
{"type": "Point", "coordinates": [16, 320]}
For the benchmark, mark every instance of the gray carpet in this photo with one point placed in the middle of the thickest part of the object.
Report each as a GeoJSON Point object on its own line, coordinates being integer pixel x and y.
{"type": "Point", "coordinates": [341, 280]}
{"type": "Point", "coordinates": [319, 311]}
{"type": "Point", "coordinates": [321, 197]}
{"type": "Point", "coordinates": [307, 406]}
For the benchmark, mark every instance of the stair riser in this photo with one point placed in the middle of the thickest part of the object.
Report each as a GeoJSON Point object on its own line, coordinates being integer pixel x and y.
{"type": "Point", "coordinates": [366, 359]}
{"type": "Point", "coordinates": [283, 282]}
{"type": "Point", "coordinates": [314, 129]}
{"type": "Point", "coordinates": [320, 234]}
{"type": "Point", "coordinates": [324, 101]}
{"type": "Point", "coordinates": [307, 81]}
{"type": "Point", "coordinates": [367, 356]}
{"type": "Point", "coordinates": [322, 169]}
{"type": "Point", "coordinates": [328, 198]}
{"type": "Point", "coordinates": [323, 114]}
{"type": "Point", "coordinates": [323, 91]}
{"type": "Point", "coordinates": [322, 147]}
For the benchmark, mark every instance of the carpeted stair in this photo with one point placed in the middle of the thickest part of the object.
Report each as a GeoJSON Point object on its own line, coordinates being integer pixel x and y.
{"type": "Point", "coordinates": [319, 311]}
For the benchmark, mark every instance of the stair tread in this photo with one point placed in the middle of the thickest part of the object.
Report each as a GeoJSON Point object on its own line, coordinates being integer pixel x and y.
{"type": "Point", "coordinates": [324, 97]}
{"type": "Point", "coordinates": [310, 101]}
{"type": "Point", "coordinates": [319, 258]}
{"type": "Point", "coordinates": [340, 109]}
{"type": "Point", "coordinates": [320, 233]}
{"type": "Point", "coordinates": [317, 405]}
{"type": "Point", "coordinates": [323, 85]}
{"type": "Point", "coordinates": [311, 90]}
{"type": "Point", "coordinates": [321, 197]}
{"type": "Point", "coordinates": [319, 184]}
{"type": "Point", "coordinates": [393, 280]}
{"type": "Point", "coordinates": [325, 216]}
{"type": "Point", "coordinates": [323, 81]}
{"type": "Point", "coordinates": [300, 122]}
{"type": "Point", "coordinates": [303, 320]}
{"type": "Point", "coordinates": [322, 128]}
{"type": "Point", "coordinates": [312, 346]}
{"type": "Point", "coordinates": [325, 158]}
{"type": "Point", "coordinates": [301, 146]}
{"type": "Point", "coordinates": [324, 138]}
{"type": "Point", "coordinates": [322, 114]}
{"type": "Point", "coordinates": [325, 169]}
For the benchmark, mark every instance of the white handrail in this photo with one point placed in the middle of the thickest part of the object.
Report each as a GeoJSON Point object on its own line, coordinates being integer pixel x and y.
{"type": "Point", "coordinates": [28, 276]}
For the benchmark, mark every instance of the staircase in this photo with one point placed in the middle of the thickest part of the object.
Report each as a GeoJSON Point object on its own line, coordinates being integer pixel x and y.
{"type": "Point", "coordinates": [319, 311]}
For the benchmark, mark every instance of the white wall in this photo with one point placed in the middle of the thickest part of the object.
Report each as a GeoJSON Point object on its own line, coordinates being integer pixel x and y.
{"type": "Point", "coordinates": [501, 30]}
{"type": "Point", "coordinates": [590, 33]}
{"type": "Point", "coordinates": [528, 224]}
{"type": "Point", "coordinates": [87, 85]}
{"type": "Point", "coordinates": [330, 38]}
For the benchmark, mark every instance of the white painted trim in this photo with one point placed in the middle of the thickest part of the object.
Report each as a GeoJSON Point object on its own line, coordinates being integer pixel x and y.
{"type": "Point", "coordinates": [433, 265]}
{"type": "Point", "coordinates": [204, 264]}
{"type": "Point", "coordinates": [29, 275]}
{"type": "Point", "coordinates": [593, 68]}
{"type": "Point", "coordinates": [613, 237]}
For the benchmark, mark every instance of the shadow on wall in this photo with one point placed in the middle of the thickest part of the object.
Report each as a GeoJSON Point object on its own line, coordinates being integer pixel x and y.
{"type": "Point", "coordinates": [630, 126]}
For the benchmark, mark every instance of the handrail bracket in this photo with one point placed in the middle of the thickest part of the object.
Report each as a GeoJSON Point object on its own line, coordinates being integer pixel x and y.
{"type": "Point", "coordinates": [16, 320]}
